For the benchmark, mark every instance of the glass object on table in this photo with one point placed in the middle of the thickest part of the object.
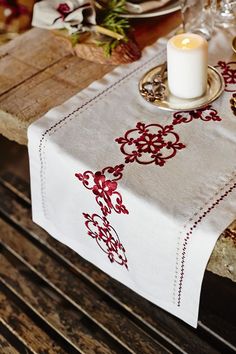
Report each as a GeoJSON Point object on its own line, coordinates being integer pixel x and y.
{"type": "Point", "coordinates": [226, 14]}
{"type": "Point", "coordinates": [198, 16]}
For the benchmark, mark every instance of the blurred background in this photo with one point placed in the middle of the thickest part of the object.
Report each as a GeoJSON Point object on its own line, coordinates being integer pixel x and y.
{"type": "Point", "coordinates": [15, 18]}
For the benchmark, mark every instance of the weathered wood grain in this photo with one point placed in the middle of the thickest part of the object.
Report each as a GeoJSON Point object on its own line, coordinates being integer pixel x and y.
{"type": "Point", "coordinates": [156, 321]}
{"type": "Point", "coordinates": [29, 54]}
{"type": "Point", "coordinates": [6, 347]}
{"type": "Point", "coordinates": [218, 310]}
{"type": "Point", "coordinates": [62, 317]}
{"type": "Point", "coordinates": [84, 298]}
{"type": "Point", "coordinates": [20, 324]}
{"type": "Point", "coordinates": [16, 184]}
{"type": "Point", "coordinates": [223, 257]}
{"type": "Point", "coordinates": [50, 87]}
{"type": "Point", "coordinates": [21, 60]}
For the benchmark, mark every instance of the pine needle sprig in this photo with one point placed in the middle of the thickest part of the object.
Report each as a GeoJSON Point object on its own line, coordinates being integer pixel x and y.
{"type": "Point", "coordinates": [116, 24]}
{"type": "Point", "coordinates": [116, 6]}
{"type": "Point", "coordinates": [111, 28]}
{"type": "Point", "coordinates": [111, 17]}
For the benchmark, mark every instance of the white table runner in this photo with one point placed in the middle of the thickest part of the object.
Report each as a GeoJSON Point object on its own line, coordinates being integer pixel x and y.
{"type": "Point", "coordinates": [141, 193]}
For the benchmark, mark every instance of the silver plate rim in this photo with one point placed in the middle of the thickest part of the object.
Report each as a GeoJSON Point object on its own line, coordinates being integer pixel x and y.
{"type": "Point", "coordinates": [165, 10]}
{"type": "Point", "coordinates": [159, 103]}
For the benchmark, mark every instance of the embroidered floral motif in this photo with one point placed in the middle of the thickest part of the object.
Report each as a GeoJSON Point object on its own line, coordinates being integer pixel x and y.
{"type": "Point", "coordinates": [206, 114]}
{"type": "Point", "coordinates": [228, 71]}
{"type": "Point", "coordinates": [150, 143]}
{"type": "Point", "coordinates": [106, 237]}
{"type": "Point", "coordinates": [104, 185]}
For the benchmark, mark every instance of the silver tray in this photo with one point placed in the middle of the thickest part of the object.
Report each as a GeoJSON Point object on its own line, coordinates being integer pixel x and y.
{"type": "Point", "coordinates": [215, 87]}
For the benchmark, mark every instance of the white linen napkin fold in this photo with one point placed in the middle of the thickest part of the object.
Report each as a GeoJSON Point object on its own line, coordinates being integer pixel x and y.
{"type": "Point", "coordinates": [141, 193]}
{"type": "Point", "coordinates": [73, 15]}
{"type": "Point", "coordinates": [145, 6]}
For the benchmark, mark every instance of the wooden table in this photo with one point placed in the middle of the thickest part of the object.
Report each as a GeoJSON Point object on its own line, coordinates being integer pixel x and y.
{"type": "Point", "coordinates": [39, 71]}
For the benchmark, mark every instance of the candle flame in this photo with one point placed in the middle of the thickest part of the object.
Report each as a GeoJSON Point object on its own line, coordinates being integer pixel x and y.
{"type": "Point", "coordinates": [185, 41]}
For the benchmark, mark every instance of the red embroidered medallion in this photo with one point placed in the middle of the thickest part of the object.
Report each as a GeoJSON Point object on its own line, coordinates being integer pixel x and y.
{"type": "Point", "coordinates": [228, 71]}
{"type": "Point", "coordinates": [104, 185]}
{"type": "Point", "coordinates": [106, 237]}
{"type": "Point", "coordinates": [206, 114]}
{"type": "Point", "coordinates": [151, 143]}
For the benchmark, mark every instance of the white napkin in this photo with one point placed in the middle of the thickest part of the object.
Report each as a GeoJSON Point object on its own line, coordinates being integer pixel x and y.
{"type": "Point", "coordinates": [144, 6]}
{"type": "Point", "coordinates": [141, 193]}
{"type": "Point", "coordinates": [70, 14]}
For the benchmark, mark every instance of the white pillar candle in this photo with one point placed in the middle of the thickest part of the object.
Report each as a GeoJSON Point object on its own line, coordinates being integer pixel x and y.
{"type": "Point", "coordinates": [187, 60]}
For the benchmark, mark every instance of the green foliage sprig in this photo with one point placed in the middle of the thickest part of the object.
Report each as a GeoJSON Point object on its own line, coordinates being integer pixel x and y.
{"type": "Point", "coordinates": [74, 38]}
{"type": "Point", "coordinates": [109, 17]}
{"type": "Point", "coordinates": [110, 28]}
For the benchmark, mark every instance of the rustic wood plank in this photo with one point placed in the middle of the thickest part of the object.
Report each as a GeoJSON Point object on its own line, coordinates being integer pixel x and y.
{"type": "Point", "coordinates": [16, 184]}
{"type": "Point", "coordinates": [84, 298]}
{"type": "Point", "coordinates": [45, 38]}
{"type": "Point", "coordinates": [6, 347]}
{"type": "Point", "coordinates": [223, 257]}
{"type": "Point", "coordinates": [54, 310]}
{"type": "Point", "coordinates": [45, 90]}
{"type": "Point", "coordinates": [155, 321]}
{"type": "Point", "coordinates": [21, 60]}
{"type": "Point", "coordinates": [211, 305]}
{"type": "Point", "coordinates": [29, 54]}
{"type": "Point", "coordinates": [21, 72]}
{"type": "Point", "coordinates": [14, 159]}
{"type": "Point", "coordinates": [13, 338]}
{"type": "Point", "coordinates": [23, 327]}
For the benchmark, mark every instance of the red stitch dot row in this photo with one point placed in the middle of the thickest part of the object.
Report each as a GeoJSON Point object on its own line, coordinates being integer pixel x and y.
{"type": "Point", "coordinates": [190, 232]}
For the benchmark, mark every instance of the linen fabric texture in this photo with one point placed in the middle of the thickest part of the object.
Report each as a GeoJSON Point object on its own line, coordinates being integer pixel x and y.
{"type": "Point", "coordinates": [141, 193]}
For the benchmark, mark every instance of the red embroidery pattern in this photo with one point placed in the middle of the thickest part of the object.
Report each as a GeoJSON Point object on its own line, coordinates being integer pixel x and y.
{"type": "Point", "coordinates": [150, 143]}
{"type": "Point", "coordinates": [190, 232]}
{"type": "Point", "coordinates": [106, 237]}
{"type": "Point", "coordinates": [228, 71]}
{"type": "Point", "coordinates": [104, 185]}
{"type": "Point", "coordinates": [206, 114]}
{"type": "Point", "coordinates": [105, 188]}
